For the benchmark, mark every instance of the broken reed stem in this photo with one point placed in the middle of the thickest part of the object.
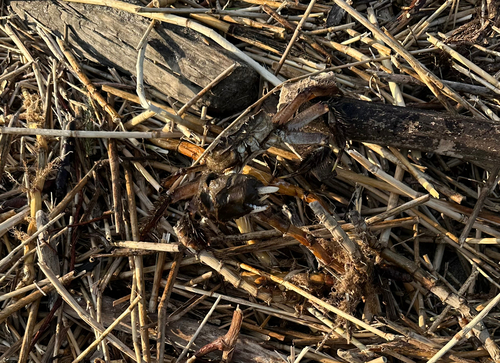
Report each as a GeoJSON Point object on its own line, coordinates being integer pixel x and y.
{"type": "Point", "coordinates": [148, 246]}
{"type": "Point", "coordinates": [160, 261]}
{"type": "Point", "coordinates": [207, 88]}
{"type": "Point", "coordinates": [314, 299]}
{"type": "Point", "coordinates": [294, 36]}
{"type": "Point", "coordinates": [94, 93]}
{"type": "Point", "coordinates": [397, 210]}
{"type": "Point", "coordinates": [108, 330]}
{"type": "Point", "coordinates": [19, 131]}
{"type": "Point", "coordinates": [465, 330]}
{"type": "Point", "coordinates": [198, 331]}
{"type": "Point", "coordinates": [491, 183]}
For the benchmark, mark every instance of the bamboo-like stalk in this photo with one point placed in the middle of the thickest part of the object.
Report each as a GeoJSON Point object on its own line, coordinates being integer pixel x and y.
{"type": "Point", "coordinates": [446, 310]}
{"type": "Point", "coordinates": [330, 222]}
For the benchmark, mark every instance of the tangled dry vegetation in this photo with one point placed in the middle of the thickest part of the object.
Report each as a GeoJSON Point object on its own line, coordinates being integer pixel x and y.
{"type": "Point", "coordinates": [219, 180]}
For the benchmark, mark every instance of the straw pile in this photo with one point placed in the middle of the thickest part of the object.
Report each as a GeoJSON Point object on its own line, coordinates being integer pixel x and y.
{"type": "Point", "coordinates": [139, 227]}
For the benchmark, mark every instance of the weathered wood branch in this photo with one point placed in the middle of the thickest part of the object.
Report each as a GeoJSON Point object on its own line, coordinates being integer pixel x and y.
{"type": "Point", "coordinates": [179, 62]}
{"type": "Point", "coordinates": [462, 137]}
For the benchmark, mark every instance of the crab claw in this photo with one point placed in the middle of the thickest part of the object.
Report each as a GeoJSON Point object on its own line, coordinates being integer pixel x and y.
{"type": "Point", "coordinates": [233, 196]}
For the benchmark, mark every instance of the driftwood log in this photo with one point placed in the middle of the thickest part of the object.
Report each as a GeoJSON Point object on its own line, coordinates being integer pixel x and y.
{"type": "Point", "coordinates": [461, 137]}
{"type": "Point", "coordinates": [179, 62]}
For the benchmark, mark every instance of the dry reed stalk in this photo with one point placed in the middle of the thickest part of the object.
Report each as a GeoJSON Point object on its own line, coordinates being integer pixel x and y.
{"type": "Point", "coordinates": [491, 183]}
{"type": "Point", "coordinates": [141, 169]}
{"type": "Point", "coordinates": [446, 296]}
{"type": "Point", "coordinates": [139, 267]}
{"type": "Point", "coordinates": [162, 308]}
{"type": "Point", "coordinates": [245, 226]}
{"type": "Point", "coordinates": [470, 326]}
{"type": "Point", "coordinates": [7, 29]}
{"type": "Point", "coordinates": [439, 319]}
{"type": "Point", "coordinates": [341, 332]}
{"type": "Point", "coordinates": [86, 134]}
{"type": "Point", "coordinates": [395, 90]}
{"type": "Point", "coordinates": [94, 93]}
{"type": "Point", "coordinates": [11, 222]}
{"type": "Point", "coordinates": [330, 222]}
{"type": "Point", "coordinates": [195, 335]}
{"type": "Point", "coordinates": [34, 296]}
